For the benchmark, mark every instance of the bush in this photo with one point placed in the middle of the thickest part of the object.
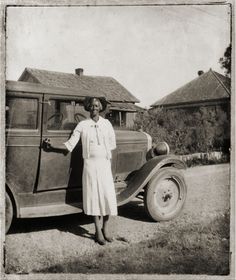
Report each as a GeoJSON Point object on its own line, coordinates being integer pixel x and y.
{"type": "Point", "coordinates": [189, 130]}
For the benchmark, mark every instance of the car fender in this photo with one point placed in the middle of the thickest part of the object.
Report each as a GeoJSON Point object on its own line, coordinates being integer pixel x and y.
{"type": "Point", "coordinates": [10, 187]}
{"type": "Point", "coordinates": [142, 176]}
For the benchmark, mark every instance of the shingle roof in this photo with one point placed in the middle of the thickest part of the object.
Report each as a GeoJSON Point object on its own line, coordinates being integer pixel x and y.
{"type": "Point", "coordinates": [86, 85]}
{"type": "Point", "coordinates": [128, 107]}
{"type": "Point", "coordinates": [208, 86]}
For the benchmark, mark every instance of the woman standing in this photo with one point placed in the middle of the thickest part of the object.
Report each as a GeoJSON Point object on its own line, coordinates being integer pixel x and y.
{"type": "Point", "coordinates": [98, 139]}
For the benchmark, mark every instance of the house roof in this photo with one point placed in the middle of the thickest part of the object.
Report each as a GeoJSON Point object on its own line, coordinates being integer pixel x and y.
{"type": "Point", "coordinates": [209, 86]}
{"type": "Point", "coordinates": [127, 107]}
{"type": "Point", "coordinates": [108, 87]}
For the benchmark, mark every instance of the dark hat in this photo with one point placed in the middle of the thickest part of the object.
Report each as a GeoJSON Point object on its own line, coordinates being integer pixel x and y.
{"type": "Point", "coordinates": [88, 100]}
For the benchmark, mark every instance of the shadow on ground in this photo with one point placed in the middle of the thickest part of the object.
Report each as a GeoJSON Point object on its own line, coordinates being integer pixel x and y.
{"type": "Point", "coordinates": [68, 223]}
{"type": "Point", "coordinates": [73, 223]}
{"type": "Point", "coordinates": [134, 210]}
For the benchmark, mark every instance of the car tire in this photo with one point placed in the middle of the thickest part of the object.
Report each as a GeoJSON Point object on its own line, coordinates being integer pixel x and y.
{"type": "Point", "coordinates": [8, 213]}
{"type": "Point", "coordinates": [165, 194]}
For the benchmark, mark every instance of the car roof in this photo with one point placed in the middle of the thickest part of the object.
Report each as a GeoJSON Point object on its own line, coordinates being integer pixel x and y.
{"type": "Point", "coordinates": [17, 86]}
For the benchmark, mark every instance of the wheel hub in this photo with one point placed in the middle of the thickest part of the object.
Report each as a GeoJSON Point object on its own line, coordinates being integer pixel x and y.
{"type": "Point", "coordinates": [167, 196]}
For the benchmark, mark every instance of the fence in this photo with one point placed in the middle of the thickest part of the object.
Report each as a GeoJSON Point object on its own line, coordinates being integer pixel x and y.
{"type": "Point", "coordinates": [205, 158]}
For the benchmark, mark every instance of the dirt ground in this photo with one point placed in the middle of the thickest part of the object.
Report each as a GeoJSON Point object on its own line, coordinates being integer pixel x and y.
{"type": "Point", "coordinates": [34, 244]}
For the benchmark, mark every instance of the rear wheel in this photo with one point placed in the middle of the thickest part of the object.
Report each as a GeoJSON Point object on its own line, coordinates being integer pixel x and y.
{"type": "Point", "coordinates": [8, 212]}
{"type": "Point", "coordinates": [165, 194]}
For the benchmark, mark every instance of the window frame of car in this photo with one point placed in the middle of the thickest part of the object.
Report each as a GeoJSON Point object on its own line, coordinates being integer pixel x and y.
{"type": "Point", "coordinates": [26, 95]}
{"type": "Point", "coordinates": [48, 98]}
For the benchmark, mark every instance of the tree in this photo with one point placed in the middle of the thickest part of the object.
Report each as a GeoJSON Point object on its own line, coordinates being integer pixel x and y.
{"type": "Point", "coordinates": [225, 61]}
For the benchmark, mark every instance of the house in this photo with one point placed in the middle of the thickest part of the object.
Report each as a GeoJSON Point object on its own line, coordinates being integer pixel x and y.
{"type": "Point", "coordinates": [200, 110]}
{"type": "Point", "coordinates": [208, 89]}
{"type": "Point", "coordinates": [122, 109]}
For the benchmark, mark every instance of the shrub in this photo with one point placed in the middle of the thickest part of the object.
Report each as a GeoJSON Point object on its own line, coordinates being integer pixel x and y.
{"type": "Point", "coordinates": [189, 130]}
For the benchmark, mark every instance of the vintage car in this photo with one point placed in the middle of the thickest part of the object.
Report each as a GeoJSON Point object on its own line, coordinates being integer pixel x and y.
{"type": "Point", "coordinates": [42, 183]}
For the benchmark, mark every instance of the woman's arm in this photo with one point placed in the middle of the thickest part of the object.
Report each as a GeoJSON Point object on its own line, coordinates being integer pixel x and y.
{"type": "Point", "coordinates": [51, 147]}
{"type": "Point", "coordinates": [74, 139]}
{"type": "Point", "coordinates": [66, 147]}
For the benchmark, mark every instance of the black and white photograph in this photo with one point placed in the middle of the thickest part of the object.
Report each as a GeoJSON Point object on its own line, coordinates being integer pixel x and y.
{"type": "Point", "coordinates": [117, 140]}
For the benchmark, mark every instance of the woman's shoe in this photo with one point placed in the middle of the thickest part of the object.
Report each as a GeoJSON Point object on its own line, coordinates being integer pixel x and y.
{"type": "Point", "coordinates": [107, 238]}
{"type": "Point", "coordinates": [99, 239]}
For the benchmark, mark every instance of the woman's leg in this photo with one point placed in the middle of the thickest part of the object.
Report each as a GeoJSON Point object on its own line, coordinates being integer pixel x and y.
{"type": "Point", "coordinates": [98, 233]}
{"type": "Point", "coordinates": [105, 230]}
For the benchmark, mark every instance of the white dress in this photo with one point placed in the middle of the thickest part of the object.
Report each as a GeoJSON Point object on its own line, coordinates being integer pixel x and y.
{"type": "Point", "coordinates": [98, 139]}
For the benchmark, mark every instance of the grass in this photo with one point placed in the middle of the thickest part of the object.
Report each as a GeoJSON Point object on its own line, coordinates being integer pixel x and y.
{"type": "Point", "coordinates": [182, 246]}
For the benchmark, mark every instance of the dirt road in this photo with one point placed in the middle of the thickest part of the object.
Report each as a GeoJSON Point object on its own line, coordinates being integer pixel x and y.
{"type": "Point", "coordinates": [34, 244]}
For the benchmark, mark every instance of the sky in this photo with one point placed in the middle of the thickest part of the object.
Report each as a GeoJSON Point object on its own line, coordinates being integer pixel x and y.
{"type": "Point", "coordinates": [150, 50]}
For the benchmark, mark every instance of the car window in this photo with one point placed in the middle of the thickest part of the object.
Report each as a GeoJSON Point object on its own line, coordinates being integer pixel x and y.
{"type": "Point", "coordinates": [21, 113]}
{"type": "Point", "coordinates": [64, 115]}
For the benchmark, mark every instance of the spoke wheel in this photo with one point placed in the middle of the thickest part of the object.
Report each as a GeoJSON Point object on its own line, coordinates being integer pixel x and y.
{"type": "Point", "coordinates": [8, 213]}
{"type": "Point", "coordinates": [165, 194]}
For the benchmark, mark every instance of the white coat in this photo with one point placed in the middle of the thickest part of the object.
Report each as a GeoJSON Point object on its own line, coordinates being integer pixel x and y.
{"type": "Point", "coordinates": [98, 139]}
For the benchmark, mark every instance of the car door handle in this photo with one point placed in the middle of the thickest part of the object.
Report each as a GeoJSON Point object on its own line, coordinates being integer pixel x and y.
{"type": "Point", "coordinates": [46, 145]}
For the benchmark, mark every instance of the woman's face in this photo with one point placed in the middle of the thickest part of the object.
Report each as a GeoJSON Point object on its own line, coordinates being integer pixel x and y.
{"type": "Point", "coordinates": [95, 107]}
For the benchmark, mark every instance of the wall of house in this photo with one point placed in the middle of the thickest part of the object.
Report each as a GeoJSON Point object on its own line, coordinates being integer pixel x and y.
{"type": "Point", "coordinates": [130, 118]}
{"type": "Point", "coordinates": [121, 119]}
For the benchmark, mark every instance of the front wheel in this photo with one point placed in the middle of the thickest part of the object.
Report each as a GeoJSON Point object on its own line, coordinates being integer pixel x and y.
{"type": "Point", "coordinates": [8, 212]}
{"type": "Point", "coordinates": [165, 194]}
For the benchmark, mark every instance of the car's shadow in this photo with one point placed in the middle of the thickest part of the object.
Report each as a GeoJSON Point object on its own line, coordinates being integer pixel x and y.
{"type": "Point", "coordinates": [69, 223]}
{"type": "Point", "coordinates": [73, 223]}
{"type": "Point", "coordinates": [134, 210]}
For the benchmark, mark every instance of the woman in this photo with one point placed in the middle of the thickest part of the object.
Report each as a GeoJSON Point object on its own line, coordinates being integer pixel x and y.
{"type": "Point", "coordinates": [98, 139]}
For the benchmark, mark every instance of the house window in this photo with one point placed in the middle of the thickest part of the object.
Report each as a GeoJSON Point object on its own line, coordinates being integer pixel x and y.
{"type": "Point", "coordinates": [64, 115]}
{"type": "Point", "coordinates": [21, 113]}
{"type": "Point", "coordinates": [117, 118]}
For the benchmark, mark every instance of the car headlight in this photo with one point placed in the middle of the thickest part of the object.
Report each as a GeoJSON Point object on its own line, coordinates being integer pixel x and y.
{"type": "Point", "coordinates": [159, 149]}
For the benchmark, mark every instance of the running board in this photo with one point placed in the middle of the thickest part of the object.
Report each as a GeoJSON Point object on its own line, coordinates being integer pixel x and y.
{"type": "Point", "coordinates": [50, 210]}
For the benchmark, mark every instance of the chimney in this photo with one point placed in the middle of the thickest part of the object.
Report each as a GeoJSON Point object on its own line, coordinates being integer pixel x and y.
{"type": "Point", "coordinates": [200, 72]}
{"type": "Point", "coordinates": [79, 71]}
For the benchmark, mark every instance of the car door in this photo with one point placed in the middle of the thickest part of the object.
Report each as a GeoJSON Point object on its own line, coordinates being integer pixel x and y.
{"type": "Point", "coordinates": [59, 170]}
{"type": "Point", "coordinates": [23, 122]}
